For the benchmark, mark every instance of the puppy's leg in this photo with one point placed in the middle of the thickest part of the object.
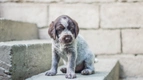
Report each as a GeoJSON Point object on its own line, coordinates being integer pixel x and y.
{"type": "Point", "coordinates": [55, 61]}
{"type": "Point", "coordinates": [71, 65]}
{"type": "Point", "coordinates": [89, 65]}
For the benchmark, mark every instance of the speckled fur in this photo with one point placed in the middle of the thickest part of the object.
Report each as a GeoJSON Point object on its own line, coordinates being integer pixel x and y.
{"type": "Point", "coordinates": [73, 54]}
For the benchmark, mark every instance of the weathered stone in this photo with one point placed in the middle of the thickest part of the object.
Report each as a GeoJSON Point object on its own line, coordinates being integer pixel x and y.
{"type": "Point", "coordinates": [110, 72]}
{"type": "Point", "coordinates": [132, 41]}
{"type": "Point", "coordinates": [103, 41]}
{"type": "Point", "coordinates": [88, 1]}
{"type": "Point", "coordinates": [27, 58]}
{"type": "Point", "coordinates": [87, 16]}
{"type": "Point", "coordinates": [5, 54]}
{"type": "Point", "coordinates": [130, 65]}
{"type": "Point", "coordinates": [43, 33]}
{"type": "Point", "coordinates": [122, 15]}
{"type": "Point", "coordinates": [133, 78]}
{"type": "Point", "coordinates": [26, 12]}
{"type": "Point", "coordinates": [1, 72]}
{"type": "Point", "coordinates": [14, 30]}
{"type": "Point", "coordinates": [3, 76]}
{"type": "Point", "coordinates": [5, 65]}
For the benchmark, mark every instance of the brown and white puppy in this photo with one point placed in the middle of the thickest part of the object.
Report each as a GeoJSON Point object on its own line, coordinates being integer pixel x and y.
{"type": "Point", "coordinates": [71, 47]}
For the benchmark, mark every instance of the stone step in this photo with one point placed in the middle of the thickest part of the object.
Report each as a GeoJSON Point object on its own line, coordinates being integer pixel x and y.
{"type": "Point", "coordinates": [4, 76]}
{"type": "Point", "coordinates": [15, 30]}
{"type": "Point", "coordinates": [133, 78]}
{"type": "Point", "coordinates": [106, 69]}
{"type": "Point", "coordinates": [23, 59]}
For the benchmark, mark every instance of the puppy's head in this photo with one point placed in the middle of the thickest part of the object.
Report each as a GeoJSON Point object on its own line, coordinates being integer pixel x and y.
{"type": "Point", "coordinates": [64, 29]}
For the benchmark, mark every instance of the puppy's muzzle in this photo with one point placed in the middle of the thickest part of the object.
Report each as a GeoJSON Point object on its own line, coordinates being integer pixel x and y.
{"type": "Point", "coordinates": [67, 39]}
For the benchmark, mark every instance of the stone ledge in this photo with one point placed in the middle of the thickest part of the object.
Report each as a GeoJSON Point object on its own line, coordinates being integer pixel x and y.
{"type": "Point", "coordinates": [26, 58]}
{"type": "Point", "coordinates": [130, 65]}
{"type": "Point", "coordinates": [106, 69]}
{"type": "Point", "coordinates": [3, 76]}
{"type": "Point", "coordinates": [133, 78]}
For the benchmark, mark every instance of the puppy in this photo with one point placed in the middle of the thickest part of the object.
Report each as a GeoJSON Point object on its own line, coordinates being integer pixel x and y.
{"type": "Point", "coordinates": [71, 47]}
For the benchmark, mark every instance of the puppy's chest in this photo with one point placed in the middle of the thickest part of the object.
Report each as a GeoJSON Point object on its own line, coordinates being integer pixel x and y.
{"type": "Point", "coordinates": [63, 55]}
{"type": "Point", "coordinates": [61, 51]}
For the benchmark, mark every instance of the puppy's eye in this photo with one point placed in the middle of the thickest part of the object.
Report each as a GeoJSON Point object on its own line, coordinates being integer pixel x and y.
{"type": "Point", "coordinates": [71, 29]}
{"type": "Point", "coordinates": [59, 31]}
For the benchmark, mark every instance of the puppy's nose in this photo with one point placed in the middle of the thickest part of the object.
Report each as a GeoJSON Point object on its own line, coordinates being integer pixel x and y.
{"type": "Point", "coordinates": [67, 38]}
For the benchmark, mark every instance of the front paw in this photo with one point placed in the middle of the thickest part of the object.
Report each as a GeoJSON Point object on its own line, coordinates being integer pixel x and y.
{"type": "Point", "coordinates": [51, 73]}
{"type": "Point", "coordinates": [87, 72]}
{"type": "Point", "coordinates": [70, 75]}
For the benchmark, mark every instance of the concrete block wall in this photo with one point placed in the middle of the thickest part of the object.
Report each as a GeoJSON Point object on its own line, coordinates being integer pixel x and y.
{"type": "Point", "coordinates": [112, 28]}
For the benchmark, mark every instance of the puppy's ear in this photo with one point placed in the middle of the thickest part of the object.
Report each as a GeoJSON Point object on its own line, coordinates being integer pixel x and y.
{"type": "Point", "coordinates": [52, 30]}
{"type": "Point", "coordinates": [76, 28]}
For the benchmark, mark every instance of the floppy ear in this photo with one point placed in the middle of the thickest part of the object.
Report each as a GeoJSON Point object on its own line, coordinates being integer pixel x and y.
{"type": "Point", "coordinates": [76, 28]}
{"type": "Point", "coordinates": [52, 30]}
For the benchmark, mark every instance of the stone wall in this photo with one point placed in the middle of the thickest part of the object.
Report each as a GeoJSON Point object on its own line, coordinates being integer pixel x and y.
{"type": "Point", "coordinates": [112, 28]}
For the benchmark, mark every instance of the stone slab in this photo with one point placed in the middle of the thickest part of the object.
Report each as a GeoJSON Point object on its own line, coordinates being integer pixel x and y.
{"type": "Point", "coordinates": [3, 76]}
{"type": "Point", "coordinates": [130, 66]}
{"type": "Point", "coordinates": [5, 66]}
{"type": "Point", "coordinates": [26, 58]}
{"type": "Point", "coordinates": [106, 69]}
{"type": "Point", "coordinates": [133, 78]}
{"type": "Point", "coordinates": [5, 56]}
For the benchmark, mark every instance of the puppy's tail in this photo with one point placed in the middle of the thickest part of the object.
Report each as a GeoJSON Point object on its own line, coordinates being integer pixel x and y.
{"type": "Point", "coordinates": [95, 60]}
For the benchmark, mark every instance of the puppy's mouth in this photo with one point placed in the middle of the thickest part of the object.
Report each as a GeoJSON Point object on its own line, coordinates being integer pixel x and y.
{"type": "Point", "coordinates": [67, 46]}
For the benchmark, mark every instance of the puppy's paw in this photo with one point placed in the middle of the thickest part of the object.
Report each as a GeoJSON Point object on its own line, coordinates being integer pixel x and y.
{"type": "Point", "coordinates": [63, 70]}
{"type": "Point", "coordinates": [70, 75]}
{"type": "Point", "coordinates": [87, 72]}
{"type": "Point", "coordinates": [50, 73]}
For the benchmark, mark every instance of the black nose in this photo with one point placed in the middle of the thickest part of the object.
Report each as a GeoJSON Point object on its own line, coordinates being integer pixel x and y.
{"type": "Point", "coordinates": [67, 38]}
